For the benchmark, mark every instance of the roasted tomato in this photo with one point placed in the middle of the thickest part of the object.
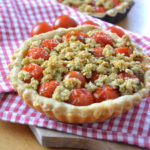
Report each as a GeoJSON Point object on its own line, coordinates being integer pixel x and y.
{"type": "Point", "coordinates": [104, 93]}
{"type": "Point", "coordinates": [35, 71]}
{"type": "Point", "coordinates": [98, 52]}
{"type": "Point", "coordinates": [100, 9]}
{"type": "Point", "coordinates": [50, 43]}
{"type": "Point", "coordinates": [123, 50]}
{"type": "Point", "coordinates": [125, 75]}
{"type": "Point", "coordinates": [64, 21]}
{"type": "Point", "coordinates": [47, 89]}
{"type": "Point", "coordinates": [81, 97]}
{"type": "Point", "coordinates": [94, 77]}
{"type": "Point", "coordinates": [76, 74]}
{"type": "Point", "coordinates": [89, 22]}
{"type": "Point", "coordinates": [79, 36]}
{"type": "Point", "coordinates": [41, 27]}
{"type": "Point", "coordinates": [102, 38]}
{"type": "Point", "coordinates": [38, 52]}
{"type": "Point", "coordinates": [116, 30]}
{"type": "Point", "coordinates": [116, 2]}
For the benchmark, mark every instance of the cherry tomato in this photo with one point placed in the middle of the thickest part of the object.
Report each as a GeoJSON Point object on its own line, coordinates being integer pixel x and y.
{"type": "Point", "coordinates": [41, 27]}
{"type": "Point", "coordinates": [94, 77]}
{"type": "Point", "coordinates": [102, 38]}
{"type": "Point", "coordinates": [125, 75]}
{"type": "Point", "coordinates": [81, 97]}
{"type": "Point", "coordinates": [76, 74]}
{"type": "Point", "coordinates": [35, 71]}
{"type": "Point", "coordinates": [104, 93]}
{"type": "Point", "coordinates": [47, 89]}
{"type": "Point", "coordinates": [123, 50]}
{"type": "Point", "coordinates": [116, 30]}
{"type": "Point", "coordinates": [50, 43]}
{"type": "Point", "coordinates": [98, 52]}
{"type": "Point", "coordinates": [89, 22]}
{"type": "Point", "coordinates": [100, 9]}
{"type": "Point", "coordinates": [79, 36]}
{"type": "Point", "coordinates": [116, 2]}
{"type": "Point", "coordinates": [38, 52]}
{"type": "Point", "coordinates": [64, 21]}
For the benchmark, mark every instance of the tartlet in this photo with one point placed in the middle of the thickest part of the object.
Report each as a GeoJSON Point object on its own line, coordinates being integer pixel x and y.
{"type": "Point", "coordinates": [128, 74]}
{"type": "Point", "coordinates": [108, 10]}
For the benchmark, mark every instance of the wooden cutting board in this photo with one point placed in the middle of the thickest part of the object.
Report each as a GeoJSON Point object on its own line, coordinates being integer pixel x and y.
{"type": "Point", "coordinates": [56, 139]}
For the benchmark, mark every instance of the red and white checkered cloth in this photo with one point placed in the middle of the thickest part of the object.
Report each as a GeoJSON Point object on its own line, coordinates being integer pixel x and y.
{"type": "Point", "coordinates": [16, 20]}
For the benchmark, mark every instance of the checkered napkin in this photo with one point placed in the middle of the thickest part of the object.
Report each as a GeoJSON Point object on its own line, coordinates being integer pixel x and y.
{"type": "Point", "coordinates": [16, 20]}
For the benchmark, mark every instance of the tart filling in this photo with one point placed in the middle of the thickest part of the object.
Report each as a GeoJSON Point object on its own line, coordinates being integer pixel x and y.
{"type": "Point", "coordinates": [84, 66]}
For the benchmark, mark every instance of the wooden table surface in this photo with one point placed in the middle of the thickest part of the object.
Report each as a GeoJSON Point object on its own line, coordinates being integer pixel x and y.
{"type": "Point", "coordinates": [19, 137]}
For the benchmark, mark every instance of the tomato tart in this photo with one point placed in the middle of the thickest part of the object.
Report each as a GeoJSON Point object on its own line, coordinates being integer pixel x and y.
{"type": "Point", "coordinates": [81, 74]}
{"type": "Point", "coordinates": [107, 10]}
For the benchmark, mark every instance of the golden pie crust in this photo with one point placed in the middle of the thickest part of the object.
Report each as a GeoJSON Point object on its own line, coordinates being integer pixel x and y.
{"type": "Point", "coordinates": [96, 112]}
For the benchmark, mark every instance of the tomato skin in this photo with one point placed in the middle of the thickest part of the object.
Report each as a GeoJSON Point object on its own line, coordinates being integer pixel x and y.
{"type": "Point", "coordinates": [124, 75]}
{"type": "Point", "coordinates": [79, 36]}
{"type": "Point", "coordinates": [41, 27]}
{"type": "Point", "coordinates": [98, 52]}
{"type": "Point", "coordinates": [116, 30]}
{"type": "Point", "coordinates": [64, 21]}
{"type": "Point", "coordinates": [102, 38]}
{"type": "Point", "coordinates": [81, 97]}
{"type": "Point", "coordinates": [123, 50]}
{"type": "Point", "coordinates": [104, 93]}
{"type": "Point", "coordinates": [94, 77]}
{"type": "Point", "coordinates": [35, 71]}
{"type": "Point", "coordinates": [50, 43]}
{"type": "Point", "coordinates": [38, 52]}
{"type": "Point", "coordinates": [100, 9]}
{"type": "Point", "coordinates": [116, 2]}
{"type": "Point", "coordinates": [47, 89]}
{"type": "Point", "coordinates": [89, 22]}
{"type": "Point", "coordinates": [76, 74]}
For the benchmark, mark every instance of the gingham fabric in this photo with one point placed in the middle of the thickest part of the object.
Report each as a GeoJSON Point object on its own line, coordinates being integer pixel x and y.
{"type": "Point", "coordinates": [16, 20]}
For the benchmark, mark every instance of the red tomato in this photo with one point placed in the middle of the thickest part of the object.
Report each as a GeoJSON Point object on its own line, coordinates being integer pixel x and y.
{"type": "Point", "coordinates": [50, 43]}
{"type": "Point", "coordinates": [100, 9]}
{"type": "Point", "coordinates": [104, 93]}
{"type": "Point", "coordinates": [47, 89]}
{"type": "Point", "coordinates": [64, 21]}
{"type": "Point", "coordinates": [94, 77]}
{"type": "Point", "coordinates": [76, 74]}
{"type": "Point", "coordinates": [123, 50]}
{"type": "Point", "coordinates": [89, 22]}
{"type": "Point", "coordinates": [35, 71]}
{"type": "Point", "coordinates": [41, 27]}
{"type": "Point", "coordinates": [81, 97]}
{"type": "Point", "coordinates": [102, 38]}
{"type": "Point", "coordinates": [38, 52]}
{"type": "Point", "coordinates": [98, 52]}
{"type": "Point", "coordinates": [60, 1]}
{"type": "Point", "coordinates": [125, 75]}
{"type": "Point", "coordinates": [116, 30]}
{"type": "Point", "coordinates": [79, 36]}
{"type": "Point", "coordinates": [116, 2]}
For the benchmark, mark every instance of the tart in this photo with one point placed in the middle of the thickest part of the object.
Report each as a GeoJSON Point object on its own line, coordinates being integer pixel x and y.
{"type": "Point", "coordinates": [107, 10]}
{"type": "Point", "coordinates": [82, 74]}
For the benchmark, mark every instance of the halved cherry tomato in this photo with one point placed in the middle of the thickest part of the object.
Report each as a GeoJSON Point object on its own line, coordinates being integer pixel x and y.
{"type": "Point", "coordinates": [104, 93]}
{"type": "Point", "coordinates": [116, 2]}
{"type": "Point", "coordinates": [41, 27]}
{"type": "Point", "coordinates": [89, 22]}
{"type": "Point", "coordinates": [47, 89]}
{"type": "Point", "coordinates": [98, 52]}
{"type": "Point", "coordinates": [100, 9]}
{"type": "Point", "coordinates": [102, 38]}
{"type": "Point", "coordinates": [38, 52]}
{"type": "Point", "coordinates": [116, 30]}
{"type": "Point", "coordinates": [79, 36]}
{"type": "Point", "coordinates": [50, 43]}
{"type": "Point", "coordinates": [94, 77]}
{"type": "Point", "coordinates": [125, 75]}
{"type": "Point", "coordinates": [81, 97]}
{"type": "Point", "coordinates": [76, 74]}
{"type": "Point", "coordinates": [64, 21]}
{"type": "Point", "coordinates": [35, 71]}
{"type": "Point", "coordinates": [123, 50]}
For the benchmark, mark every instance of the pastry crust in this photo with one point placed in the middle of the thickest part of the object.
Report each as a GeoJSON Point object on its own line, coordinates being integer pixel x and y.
{"type": "Point", "coordinates": [96, 112]}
